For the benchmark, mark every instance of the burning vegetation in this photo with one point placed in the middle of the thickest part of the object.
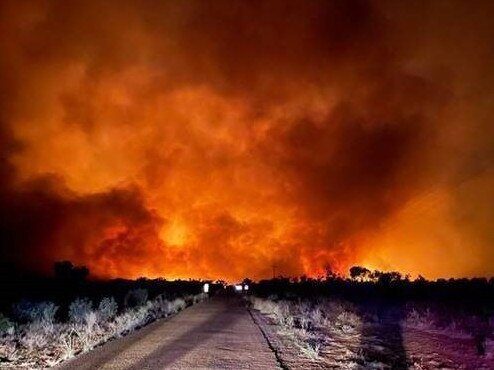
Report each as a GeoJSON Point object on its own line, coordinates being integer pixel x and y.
{"type": "Point", "coordinates": [215, 139]}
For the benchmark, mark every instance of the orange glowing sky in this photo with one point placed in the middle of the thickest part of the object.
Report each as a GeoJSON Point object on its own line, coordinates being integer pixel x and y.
{"type": "Point", "coordinates": [213, 139]}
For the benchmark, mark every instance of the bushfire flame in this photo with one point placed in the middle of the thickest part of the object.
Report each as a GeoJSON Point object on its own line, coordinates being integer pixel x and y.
{"type": "Point", "coordinates": [199, 139]}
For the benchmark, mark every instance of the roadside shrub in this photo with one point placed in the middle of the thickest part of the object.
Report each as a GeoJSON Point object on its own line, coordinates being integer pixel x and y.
{"type": "Point", "coordinates": [79, 310]}
{"type": "Point", "coordinates": [340, 315]}
{"type": "Point", "coordinates": [316, 317]}
{"type": "Point", "coordinates": [304, 315]}
{"type": "Point", "coordinates": [33, 312]}
{"type": "Point", "coordinates": [41, 343]}
{"type": "Point", "coordinates": [136, 297]}
{"type": "Point", "coordinates": [265, 306]}
{"type": "Point", "coordinates": [132, 319]}
{"type": "Point", "coordinates": [91, 322]}
{"type": "Point", "coordinates": [127, 322]}
{"type": "Point", "coordinates": [178, 304]}
{"type": "Point", "coordinates": [296, 321]}
{"type": "Point", "coordinates": [33, 338]}
{"type": "Point", "coordinates": [24, 310]}
{"type": "Point", "coordinates": [160, 307]}
{"type": "Point", "coordinates": [198, 298]}
{"type": "Point", "coordinates": [347, 321]}
{"type": "Point", "coordinates": [124, 323]}
{"type": "Point", "coordinates": [333, 308]}
{"type": "Point", "coordinates": [6, 326]}
{"type": "Point", "coordinates": [107, 309]}
{"type": "Point", "coordinates": [67, 343]}
{"type": "Point", "coordinates": [189, 300]}
{"type": "Point", "coordinates": [280, 311]}
{"type": "Point", "coordinates": [282, 314]}
{"type": "Point", "coordinates": [88, 331]}
{"type": "Point", "coordinates": [419, 318]}
{"type": "Point", "coordinates": [9, 350]}
{"type": "Point", "coordinates": [310, 347]}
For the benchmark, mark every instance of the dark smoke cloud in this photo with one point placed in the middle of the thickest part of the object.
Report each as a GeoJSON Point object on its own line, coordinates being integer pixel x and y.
{"type": "Point", "coordinates": [44, 220]}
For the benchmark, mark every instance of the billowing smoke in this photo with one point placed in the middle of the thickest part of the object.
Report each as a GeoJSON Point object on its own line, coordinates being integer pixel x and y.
{"type": "Point", "coordinates": [218, 139]}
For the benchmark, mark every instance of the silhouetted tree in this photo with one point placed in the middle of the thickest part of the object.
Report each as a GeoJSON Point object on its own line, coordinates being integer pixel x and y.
{"type": "Point", "coordinates": [387, 277]}
{"type": "Point", "coordinates": [330, 274]}
{"type": "Point", "coordinates": [359, 272]}
{"type": "Point", "coordinates": [80, 273]}
{"type": "Point", "coordinates": [63, 269]}
{"type": "Point", "coordinates": [66, 271]}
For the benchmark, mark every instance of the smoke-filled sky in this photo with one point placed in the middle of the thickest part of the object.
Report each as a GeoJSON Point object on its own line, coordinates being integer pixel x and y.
{"type": "Point", "coordinates": [213, 139]}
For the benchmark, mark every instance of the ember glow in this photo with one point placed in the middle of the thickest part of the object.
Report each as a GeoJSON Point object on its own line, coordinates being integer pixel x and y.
{"type": "Point", "coordinates": [215, 139]}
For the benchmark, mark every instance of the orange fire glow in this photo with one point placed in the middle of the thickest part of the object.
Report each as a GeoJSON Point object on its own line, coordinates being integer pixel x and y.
{"type": "Point", "coordinates": [217, 139]}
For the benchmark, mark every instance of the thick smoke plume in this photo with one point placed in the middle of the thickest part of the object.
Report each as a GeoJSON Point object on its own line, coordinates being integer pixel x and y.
{"type": "Point", "coordinates": [216, 139]}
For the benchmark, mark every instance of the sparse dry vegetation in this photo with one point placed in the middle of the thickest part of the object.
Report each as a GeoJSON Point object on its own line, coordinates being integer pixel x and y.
{"type": "Point", "coordinates": [302, 321]}
{"type": "Point", "coordinates": [37, 339]}
{"type": "Point", "coordinates": [361, 324]}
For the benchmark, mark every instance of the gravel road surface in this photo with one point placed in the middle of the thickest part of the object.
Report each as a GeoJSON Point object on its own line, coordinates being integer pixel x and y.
{"type": "Point", "coordinates": [216, 334]}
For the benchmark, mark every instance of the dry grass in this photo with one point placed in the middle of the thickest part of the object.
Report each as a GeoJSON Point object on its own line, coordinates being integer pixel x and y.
{"type": "Point", "coordinates": [333, 332]}
{"type": "Point", "coordinates": [298, 322]}
{"type": "Point", "coordinates": [43, 342]}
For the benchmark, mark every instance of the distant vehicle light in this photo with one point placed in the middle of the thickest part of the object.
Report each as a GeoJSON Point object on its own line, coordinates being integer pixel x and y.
{"type": "Point", "coordinates": [238, 288]}
{"type": "Point", "coordinates": [205, 288]}
{"type": "Point", "coordinates": [246, 287]}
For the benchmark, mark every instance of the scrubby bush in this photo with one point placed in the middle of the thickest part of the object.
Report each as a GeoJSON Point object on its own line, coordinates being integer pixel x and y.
{"type": "Point", "coordinates": [107, 309]}
{"type": "Point", "coordinates": [303, 313]}
{"type": "Point", "coordinates": [133, 319]}
{"type": "Point", "coordinates": [8, 350]}
{"type": "Point", "coordinates": [299, 320]}
{"type": "Point", "coordinates": [178, 304]}
{"type": "Point", "coordinates": [35, 311]}
{"type": "Point", "coordinates": [265, 306]}
{"type": "Point", "coordinates": [159, 306]}
{"type": "Point", "coordinates": [283, 315]}
{"type": "Point", "coordinates": [188, 299]}
{"type": "Point", "coordinates": [347, 322]}
{"type": "Point", "coordinates": [310, 346]}
{"type": "Point", "coordinates": [316, 317]}
{"type": "Point", "coordinates": [79, 310]}
{"type": "Point", "coordinates": [41, 342]}
{"type": "Point", "coordinates": [198, 298]}
{"type": "Point", "coordinates": [33, 339]}
{"type": "Point", "coordinates": [124, 323]}
{"type": "Point", "coordinates": [6, 326]}
{"type": "Point", "coordinates": [295, 321]}
{"type": "Point", "coordinates": [91, 322]}
{"type": "Point", "coordinates": [136, 297]}
{"type": "Point", "coordinates": [420, 319]}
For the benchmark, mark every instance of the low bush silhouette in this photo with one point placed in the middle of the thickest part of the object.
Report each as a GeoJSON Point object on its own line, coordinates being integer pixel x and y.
{"type": "Point", "coordinates": [47, 319]}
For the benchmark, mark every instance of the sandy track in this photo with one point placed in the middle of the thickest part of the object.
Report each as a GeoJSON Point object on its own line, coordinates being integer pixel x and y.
{"type": "Point", "coordinates": [216, 334]}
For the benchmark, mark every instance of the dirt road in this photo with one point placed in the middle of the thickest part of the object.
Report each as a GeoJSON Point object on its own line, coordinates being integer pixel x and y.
{"type": "Point", "coordinates": [216, 334]}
